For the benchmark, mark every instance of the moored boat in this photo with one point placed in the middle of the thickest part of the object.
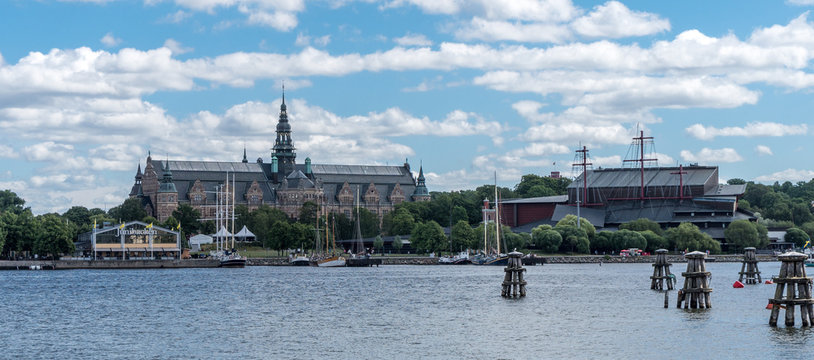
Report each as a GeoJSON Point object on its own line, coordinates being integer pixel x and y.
{"type": "Point", "coordinates": [232, 260]}
{"type": "Point", "coordinates": [333, 261]}
{"type": "Point", "coordinates": [300, 260]}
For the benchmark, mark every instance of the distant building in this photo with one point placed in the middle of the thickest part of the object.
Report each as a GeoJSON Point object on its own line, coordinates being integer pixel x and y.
{"type": "Point", "coordinates": [281, 183]}
{"type": "Point", "coordinates": [610, 197]}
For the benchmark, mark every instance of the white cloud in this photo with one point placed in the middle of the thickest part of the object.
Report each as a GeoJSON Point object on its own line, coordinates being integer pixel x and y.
{"type": "Point", "coordinates": [176, 48]}
{"type": "Point", "coordinates": [48, 151]}
{"type": "Point", "coordinates": [526, 10]}
{"type": "Point", "coordinates": [800, 2]}
{"type": "Point", "coordinates": [413, 40]}
{"type": "Point", "coordinates": [305, 40]}
{"type": "Point", "coordinates": [614, 20]}
{"type": "Point", "coordinates": [177, 17]}
{"type": "Point", "coordinates": [763, 150]}
{"type": "Point", "coordinates": [793, 175]}
{"type": "Point", "coordinates": [109, 40]}
{"type": "Point", "coordinates": [711, 156]}
{"type": "Point", "coordinates": [664, 159]}
{"type": "Point", "coordinates": [8, 152]}
{"type": "Point", "coordinates": [754, 129]}
{"type": "Point", "coordinates": [497, 30]}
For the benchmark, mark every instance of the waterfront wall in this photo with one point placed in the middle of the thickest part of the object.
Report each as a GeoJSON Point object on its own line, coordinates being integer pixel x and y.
{"type": "Point", "coordinates": [643, 259]}
{"type": "Point", "coordinates": [108, 264]}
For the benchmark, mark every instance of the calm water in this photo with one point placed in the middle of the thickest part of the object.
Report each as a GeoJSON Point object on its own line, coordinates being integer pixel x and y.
{"type": "Point", "coordinates": [571, 311]}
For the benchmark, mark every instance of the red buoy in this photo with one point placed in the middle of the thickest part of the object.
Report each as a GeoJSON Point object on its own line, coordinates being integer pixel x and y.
{"type": "Point", "coordinates": [737, 285]}
{"type": "Point", "coordinates": [769, 282]}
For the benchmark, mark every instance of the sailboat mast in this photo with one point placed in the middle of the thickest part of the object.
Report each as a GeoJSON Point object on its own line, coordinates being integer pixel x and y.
{"type": "Point", "coordinates": [233, 210]}
{"type": "Point", "coordinates": [497, 216]}
{"type": "Point", "coordinates": [226, 211]}
{"type": "Point", "coordinates": [217, 218]}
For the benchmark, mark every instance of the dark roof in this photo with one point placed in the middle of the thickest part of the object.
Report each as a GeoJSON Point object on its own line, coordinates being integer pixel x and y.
{"type": "Point", "coordinates": [298, 179]}
{"type": "Point", "coordinates": [213, 173]}
{"type": "Point", "coordinates": [727, 190]}
{"type": "Point", "coordinates": [661, 176]}
{"type": "Point", "coordinates": [538, 200]}
{"type": "Point", "coordinates": [595, 216]}
{"type": "Point", "coordinates": [385, 178]}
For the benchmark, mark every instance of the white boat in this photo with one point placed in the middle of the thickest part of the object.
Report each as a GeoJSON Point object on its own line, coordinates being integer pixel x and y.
{"type": "Point", "coordinates": [333, 261]}
{"type": "Point", "coordinates": [300, 260]}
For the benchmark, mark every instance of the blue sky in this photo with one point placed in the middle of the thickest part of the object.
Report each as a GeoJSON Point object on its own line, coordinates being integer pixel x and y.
{"type": "Point", "coordinates": [467, 88]}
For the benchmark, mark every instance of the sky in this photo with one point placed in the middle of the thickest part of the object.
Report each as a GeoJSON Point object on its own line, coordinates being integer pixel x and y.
{"type": "Point", "coordinates": [468, 89]}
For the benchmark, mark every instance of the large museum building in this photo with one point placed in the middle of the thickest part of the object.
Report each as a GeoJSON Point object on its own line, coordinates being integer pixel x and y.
{"type": "Point", "coordinates": [281, 183]}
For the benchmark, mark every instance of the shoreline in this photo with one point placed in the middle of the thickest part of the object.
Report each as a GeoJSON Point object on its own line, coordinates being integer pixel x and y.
{"type": "Point", "coordinates": [385, 260]}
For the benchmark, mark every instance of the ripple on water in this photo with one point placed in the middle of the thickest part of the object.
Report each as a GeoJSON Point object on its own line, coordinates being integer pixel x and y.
{"type": "Point", "coordinates": [577, 310]}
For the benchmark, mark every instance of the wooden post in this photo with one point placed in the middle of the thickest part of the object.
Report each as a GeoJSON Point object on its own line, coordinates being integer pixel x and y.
{"type": "Point", "coordinates": [513, 283]}
{"type": "Point", "coordinates": [749, 267]}
{"type": "Point", "coordinates": [696, 283]}
{"type": "Point", "coordinates": [661, 272]}
{"type": "Point", "coordinates": [798, 291]}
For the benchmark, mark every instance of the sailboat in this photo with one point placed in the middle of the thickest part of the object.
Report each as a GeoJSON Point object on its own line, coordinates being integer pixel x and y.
{"type": "Point", "coordinates": [495, 258]}
{"type": "Point", "coordinates": [230, 259]}
{"type": "Point", "coordinates": [330, 260]}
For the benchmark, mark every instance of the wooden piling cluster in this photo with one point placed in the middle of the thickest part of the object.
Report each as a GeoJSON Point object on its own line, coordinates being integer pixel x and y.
{"type": "Point", "coordinates": [798, 292]}
{"type": "Point", "coordinates": [696, 283]}
{"type": "Point", "coordinates": [513, 283]}
{"type": "Point", "coordinates": [661, 272]}
{"type": "Point", "coordinates": [749, 267]}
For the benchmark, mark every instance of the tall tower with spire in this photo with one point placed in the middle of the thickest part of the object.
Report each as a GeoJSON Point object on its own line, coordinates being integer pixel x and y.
{"type": "Point", "coordinates": [136, 190]}
{"type": "Point", "coordinates": [421, 193]}
{"type": "Point", "coordinates": [283, 148]}
{"type": "Point", "coordinates": [167, 197]}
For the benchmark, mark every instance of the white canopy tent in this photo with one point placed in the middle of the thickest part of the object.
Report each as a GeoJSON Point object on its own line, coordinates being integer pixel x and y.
{"type": "Point", "coordinates": [196, 241]}
{"type": "Point", "coordinates": [245, 235]}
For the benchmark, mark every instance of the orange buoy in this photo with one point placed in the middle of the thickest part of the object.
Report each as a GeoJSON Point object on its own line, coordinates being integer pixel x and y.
{"type": "Point", "coordinates": [737, 285]}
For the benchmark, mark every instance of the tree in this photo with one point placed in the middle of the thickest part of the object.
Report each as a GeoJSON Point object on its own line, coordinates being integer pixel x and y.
{"type": "Point", "coordinates": [512, 241]}
{"type": "Point", "coordinates": [687, 236]}
{"type": "Point", "coordinates": [149, 220]}
{"type": "Point", "coordinates": [428, 237]}
{"type": "Point", "coordinates": [54, 237]}
{"type": "Point", "coordinates": [171, 223]}
{"type": "Point", "coordinates": [378, 243]}
{"type": "Point", "coordinates": [742, 233]}
{"type": "Point", "coordinates": [603, 241]}
{"type": "Point", "coordinates": [808, 227]}
{"type": "Point", "coordinates": [654, 241]}
{"type": "Point", "coordinates": [79, 215]}
{"type": "Point", "coordinates": [625, 239]}
{"type": "Point", "coordinates": [308, 213]}
{"type": "Point", "coordinates": [9, 201]}
{"type": "Point", "coordinates": [22, 230]}
{"type": "Point", "coordinates": [369, 223]}
{"type": "Point", "coordinates": [129, 210]}
{"type": "Point", "coordinates": [572, 235]}
{"type": "Point", "coordinates": [796, 236]}
{"type": "Point", "coordinates": [402, 222]}
{"type": "Point", "coordinates": [279, 236]}
{"type": "Point", "coordinates": [547, 239]}
{"type": "Point", "coordinates": [641, 224]}
{"type": "Point", "coordinates": [458, 214]}
{"type": "Point", "coordinates": [188, 217]}
{"type": "Point", "coordinates": [584, 224]}
{"type": "Point", "coordinates": [301, 237]}
{"type": "Point", "coordinates": [2, 235]}
{"type": "Point", "coordinates": [397, 244]}
{"type": "Point", "coordinates": [462, 235]}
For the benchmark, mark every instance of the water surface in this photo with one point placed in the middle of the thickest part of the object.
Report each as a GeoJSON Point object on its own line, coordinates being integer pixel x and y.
{"type": "Point", "coordinates": [571, 311]}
